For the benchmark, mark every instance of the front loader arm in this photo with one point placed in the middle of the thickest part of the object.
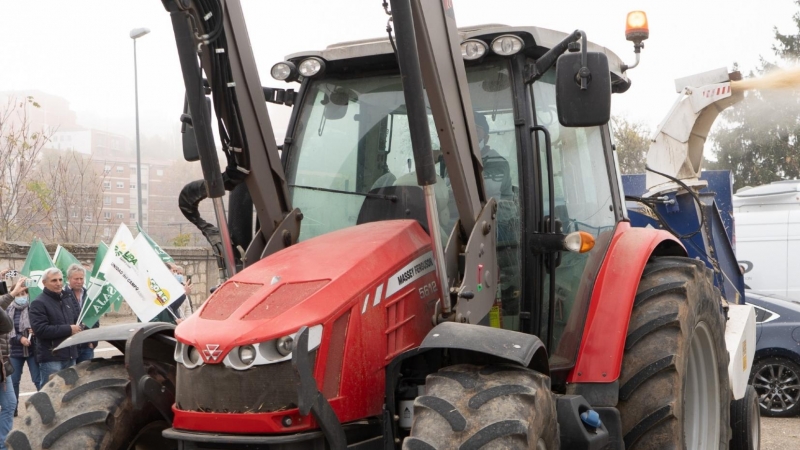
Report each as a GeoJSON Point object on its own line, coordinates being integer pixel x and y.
{"type": "Point", "coordinates": [212, 41]}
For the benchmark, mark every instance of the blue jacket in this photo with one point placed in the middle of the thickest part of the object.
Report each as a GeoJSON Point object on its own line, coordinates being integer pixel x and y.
{"type": "Point", "coordinates": [52, 315]}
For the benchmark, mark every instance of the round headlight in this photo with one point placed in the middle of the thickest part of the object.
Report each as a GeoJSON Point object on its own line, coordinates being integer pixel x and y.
{"type": "Point", "coordinates": [194, 356]}
{"type": "Point", "coordinates": [285, 345]}
{"type": "Point", "coordinates": [247, 354]}
{"type": "Point", "coordinates": [310, 67]}
{"type": "Point", "coordinates": [507, 45]}
{"type": "Point", "coordinates": [473, 49]}
{"type": "Point", "coordinates": [282, 71]}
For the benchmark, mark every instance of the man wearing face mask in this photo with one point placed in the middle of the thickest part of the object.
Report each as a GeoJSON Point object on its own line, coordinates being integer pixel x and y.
{"type": "Point", "coordinates": [8, 401]}
{"type": "Point", "coordinates": [21, 341]}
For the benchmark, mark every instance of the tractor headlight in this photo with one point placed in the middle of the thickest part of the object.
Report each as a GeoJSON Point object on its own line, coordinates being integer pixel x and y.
{"type": "Point", "coordinates": [311, 66]}
{"type": "Point", "coordinates": [194, 356]}
{"type": "Point", "coordinates": [271, 351]}
{"type": "Point", "coordinates": [507, 45]}
{"type": "Point", "coordinates": [285, 345]}
{"type": "Point", "coordinates": [187, 355]}
{"type": "Point", "coordinates": [284, 71]}
{"type": "Point", "coordinates": [247, 354]}
{"type": "Point", "coordinates": [473, 49]}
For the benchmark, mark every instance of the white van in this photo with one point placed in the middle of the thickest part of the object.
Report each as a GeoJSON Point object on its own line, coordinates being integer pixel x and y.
{"type": "Point", "coordinates": [768, 237]}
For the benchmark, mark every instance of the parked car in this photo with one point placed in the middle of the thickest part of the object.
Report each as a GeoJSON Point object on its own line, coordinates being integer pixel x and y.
{"type": "Point", "coordinates": [776, 368]}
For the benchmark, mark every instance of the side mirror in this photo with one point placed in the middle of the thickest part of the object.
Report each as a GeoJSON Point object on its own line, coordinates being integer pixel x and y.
{"type": "Point", "coordinates": [583, 107]}
{"type": "Point", "coordinates": [188, 139]}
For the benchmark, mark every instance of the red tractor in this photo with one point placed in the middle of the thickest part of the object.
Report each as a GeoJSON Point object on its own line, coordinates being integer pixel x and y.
{"type": "Point", "coordinates": [442, 259]}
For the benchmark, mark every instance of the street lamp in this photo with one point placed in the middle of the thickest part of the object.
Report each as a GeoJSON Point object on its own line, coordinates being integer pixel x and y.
{"type": "Point", "coordinates": [136, 33]}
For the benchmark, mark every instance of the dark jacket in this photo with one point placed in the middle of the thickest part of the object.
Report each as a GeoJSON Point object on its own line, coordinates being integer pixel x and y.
{"type": "Point", "coordinates": [52, 315]}
{"type": "Point", "coordinates": [68, 291]}
{"type": "Point", "coordinates": [6, 325]}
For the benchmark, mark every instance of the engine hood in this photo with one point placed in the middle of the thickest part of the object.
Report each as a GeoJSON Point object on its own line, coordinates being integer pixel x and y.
{"type": "Point", "coordinates": [309, 283]}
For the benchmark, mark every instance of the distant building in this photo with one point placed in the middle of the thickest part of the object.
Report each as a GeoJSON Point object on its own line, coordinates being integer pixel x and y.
{"type": "Point", "coordinates": [53, 112]}
{"type": "Point", "coordinates": [114, 159]}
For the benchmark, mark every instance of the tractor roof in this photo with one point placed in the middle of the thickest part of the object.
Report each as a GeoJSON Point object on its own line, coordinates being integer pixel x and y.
{"type": "Point", "coordinates": [537, 42]}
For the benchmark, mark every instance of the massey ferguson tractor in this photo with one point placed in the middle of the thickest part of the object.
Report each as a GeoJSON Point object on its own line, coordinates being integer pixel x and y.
{"type": "Point", "coordinates": [442, 258]}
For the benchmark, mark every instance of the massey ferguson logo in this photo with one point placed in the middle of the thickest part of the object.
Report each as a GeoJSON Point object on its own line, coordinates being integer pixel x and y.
{"type": "Point", "coordinates": [212, 352]}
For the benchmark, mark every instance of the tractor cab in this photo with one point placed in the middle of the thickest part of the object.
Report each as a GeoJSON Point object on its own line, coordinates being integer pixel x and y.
{"type": "Point", "coordinates": [348, 160]}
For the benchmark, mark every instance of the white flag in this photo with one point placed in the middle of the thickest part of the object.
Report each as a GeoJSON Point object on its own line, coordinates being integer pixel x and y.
{"type": "Point", "coordinates": [142, 279]}
{"type": "Point", "coordinates": [99, 300]}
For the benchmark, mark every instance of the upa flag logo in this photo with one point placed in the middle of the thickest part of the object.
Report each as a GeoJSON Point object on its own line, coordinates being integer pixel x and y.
{"type": "Point", "coordinates": [162, 295]}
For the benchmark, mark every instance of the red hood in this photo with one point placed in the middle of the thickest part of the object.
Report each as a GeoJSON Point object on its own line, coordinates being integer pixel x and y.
{"type": "Point", "coordinates": [305, 284]}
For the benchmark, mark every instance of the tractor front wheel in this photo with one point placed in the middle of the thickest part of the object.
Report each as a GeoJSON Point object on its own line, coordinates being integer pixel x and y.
{"type": "Point", "coordinates": [492, 407]}
{"type": "Point", "coordinates": [89, 406]}
{"type": "Point", "coordinates": [674, 390]}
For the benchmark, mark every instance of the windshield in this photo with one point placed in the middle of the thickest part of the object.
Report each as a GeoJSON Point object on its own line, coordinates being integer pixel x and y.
{"type": "Point", "coordinates": [353, 138]}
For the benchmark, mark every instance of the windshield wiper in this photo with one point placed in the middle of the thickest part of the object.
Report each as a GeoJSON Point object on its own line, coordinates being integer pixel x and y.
{"type": "Point", "coordinates": [391, 198]}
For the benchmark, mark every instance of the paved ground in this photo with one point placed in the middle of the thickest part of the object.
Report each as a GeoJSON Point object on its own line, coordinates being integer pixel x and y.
{"type": "Point", "coordinates": [780, 434]}
{"type": "Point", "coordinates": [776, 434]}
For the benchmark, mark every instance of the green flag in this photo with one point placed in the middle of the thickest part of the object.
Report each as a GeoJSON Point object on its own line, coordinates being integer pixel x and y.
{"type": "Point", "coordinates": [95, 277]}
{"type": "Point", "coordinates": [159, 251]}
{"type": "Point", "coordinates": [63, 259]}
{"type": "Point", "coordinates": [37, 261]}
{"type": "Point", "coordinates": [102, 295]}
{"type": "Point", "coordinates": [102, 248]}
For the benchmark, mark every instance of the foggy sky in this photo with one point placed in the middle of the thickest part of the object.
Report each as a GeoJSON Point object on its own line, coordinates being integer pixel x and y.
{"type": "Point", "coordinates": [80, 50]}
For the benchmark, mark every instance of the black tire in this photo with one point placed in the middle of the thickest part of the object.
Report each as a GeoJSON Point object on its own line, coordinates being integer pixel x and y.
{"type": "Point", "coordinates": [746, 422]}
{"type": "Point", "coordinates": [493, 407]}
{"type": "Point", "coordinates": [776, 382]}
{"type": "Point", "coordinates": [89, 406]}
{"type": "Point", "coordinates": [676, 306]}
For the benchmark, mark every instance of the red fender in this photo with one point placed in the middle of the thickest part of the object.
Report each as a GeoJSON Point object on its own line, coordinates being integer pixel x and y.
{"type": "Point", "coordinates": [600, 354]}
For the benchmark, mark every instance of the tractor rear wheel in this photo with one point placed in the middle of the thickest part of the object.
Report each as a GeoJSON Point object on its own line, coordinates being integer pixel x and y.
{"type": "Point", "coordinates": [89, 406]}
{"type": "Point", "coordinates": [492, 407]}
{"type": "Point", "coordinates": [674, 390]}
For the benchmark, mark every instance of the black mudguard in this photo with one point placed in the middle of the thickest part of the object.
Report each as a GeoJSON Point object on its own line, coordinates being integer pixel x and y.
{"type": "Point", "coordinates": [154, 342]}
{"type": "Point", "coordinates": [526, 350]}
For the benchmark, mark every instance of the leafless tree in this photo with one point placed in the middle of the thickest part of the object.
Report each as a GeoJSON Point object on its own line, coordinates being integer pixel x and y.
{"type": "Point", "coordinates": [75, 196]}
{"type": "Point", "coordinates": [22, 196]}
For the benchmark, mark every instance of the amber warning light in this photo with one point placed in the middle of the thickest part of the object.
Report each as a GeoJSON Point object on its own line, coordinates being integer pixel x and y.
{"type": "Point", "coordinates": [636, 28]}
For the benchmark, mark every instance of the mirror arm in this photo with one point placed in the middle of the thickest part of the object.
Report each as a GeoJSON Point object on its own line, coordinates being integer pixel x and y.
{"type": "Point", "coordinates": [584, 72]}
{"type": "Point", "coordinates": [279, 96]}
{"type": "Point", "coordinates": [543, 64]}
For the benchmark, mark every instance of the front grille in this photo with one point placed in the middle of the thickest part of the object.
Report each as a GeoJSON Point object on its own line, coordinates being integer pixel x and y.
{"type": "Point", "coordinates": [220, 389]}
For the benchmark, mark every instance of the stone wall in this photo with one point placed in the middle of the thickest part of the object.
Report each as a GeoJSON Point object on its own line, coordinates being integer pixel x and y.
{"type": "Point", "coordinates": [198, 262]}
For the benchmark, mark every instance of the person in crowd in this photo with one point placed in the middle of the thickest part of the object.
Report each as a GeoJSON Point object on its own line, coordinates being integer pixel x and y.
{"type": "Point", "coordinates": [185, 309]}
{"type": "Point", "coordinates": [8, 401]}
{"type": "Point", "coordinates": [76, 277]}
{"type": "Point", "coordinates": [53, 316]}
{"type": "Point", "coordinates": [21, 339]}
